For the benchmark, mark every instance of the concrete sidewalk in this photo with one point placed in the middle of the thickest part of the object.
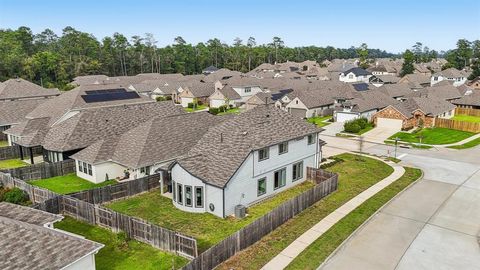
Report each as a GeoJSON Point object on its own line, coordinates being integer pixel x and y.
{"type": "Point", "coordinates": [460, 142]}
{"type": "Point", "coordinates": [301, 243]}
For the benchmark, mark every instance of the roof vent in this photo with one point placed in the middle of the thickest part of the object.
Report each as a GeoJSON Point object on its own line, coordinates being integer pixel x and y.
{"type": "Point", "coordinates": [244, 133]}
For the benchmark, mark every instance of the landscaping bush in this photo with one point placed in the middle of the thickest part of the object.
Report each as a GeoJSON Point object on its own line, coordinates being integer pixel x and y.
{"type": "Point", "coordinates": [190, 105]}
{"type": "Point", "coordinates": [352, 127]}
{"type": "Point", "coordinates": [160, 99]}
{"type": "Point", "coordinates": [16, 196]}
{"type": "Point", "coordinates": [362, 122]}
{"type": "Point", "coordinates": [168, 97]}
{"type": "Point", "coordinates": [213, 110]}
{"type": "Point", "coordinates": [223, 108]}
{"type": "Point", "coordinates": [199, 102]}
{"type": "Point", "coordinates": [336, 160]}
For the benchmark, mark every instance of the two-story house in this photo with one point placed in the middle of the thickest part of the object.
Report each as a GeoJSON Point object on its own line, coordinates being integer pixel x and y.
{"type": "Point", "coordinates": [243, 160]}
{"type": "Point", "coordinates": [355, 74]}
{"type": "Point", "coordinates": [453, 75]}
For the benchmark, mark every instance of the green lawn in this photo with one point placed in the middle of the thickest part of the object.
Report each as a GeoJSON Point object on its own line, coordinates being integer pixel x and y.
{"type": "Point", "coordinates": [366, 129]}
{"type": "Point", "coordinates": [321, 248]}
{"type": "Point", "coordinates": [68, 184]}
{"type": "Point", "coordinates": [319, 120]}
{"type": "Point", "coordinates": [120, 253]}
{"type": "Point", "coordinates": [433, 136]}
{"type": "Point", "coordinates": [12, 163]}
{"type": "Point", "coordinates": [466, 118]}
{"type": "Point", "coordinates": [230, 111]}
{"type": "Point", "coordinates": [198, 108]}
{"type": "Point", "coordinates": [3, 143]}
{"type": "Point", "coordinates": [205, 227]}
{"type": "Point", "coordinates": [466, 145]}
{"type": "Point", "coordinates": [355, 175]}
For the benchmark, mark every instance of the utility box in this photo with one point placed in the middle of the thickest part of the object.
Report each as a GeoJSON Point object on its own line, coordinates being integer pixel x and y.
{"type": "Point", "coordinates": [240, 211]}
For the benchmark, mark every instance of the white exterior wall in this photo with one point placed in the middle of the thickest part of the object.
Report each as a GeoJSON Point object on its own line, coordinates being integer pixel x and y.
{"type": "Point", "coordinates": [86, 263]}
{"type": "Point", "coordinates": [456, 81]}
{"type": "Point", "coordinates": [354, 78]}
{"type": "Point", "coordinates": [245, 96]}
{"type": "Point", "coordinates": [347, 116]}
{"type": "Point", "coordinates": [99, 172]}
{"type": "Point", "coordinates": [185, 101]}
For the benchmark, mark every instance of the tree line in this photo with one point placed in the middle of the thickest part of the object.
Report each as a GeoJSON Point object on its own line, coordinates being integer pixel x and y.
{"type": "Point", "coordinates": [53, 61]}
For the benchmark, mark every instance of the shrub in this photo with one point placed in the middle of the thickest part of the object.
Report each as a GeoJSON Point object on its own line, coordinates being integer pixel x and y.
{"type": "Point", "coordinates": [168, 97]}
{"type": "Point", "coordinates": [190, 105]}
{"type": "Point", "coordinates": [213, 110]}
{"type": "Point", "coordinates": [160, 98]}
{"type": "Point", "coordinates": [199, 102]}
{"type": "Point", "coordinates": [352, 127]}
{"type": "Point", "coordinates": [16, 196]}
{"type": "Point", "coordinates": [362, 122]}
{"type": "Point", "coordinates": [223, 108]}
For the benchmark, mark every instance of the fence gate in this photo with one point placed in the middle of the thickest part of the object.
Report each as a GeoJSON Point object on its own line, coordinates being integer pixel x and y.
{"type": "Point", "coordinates": [186, 246]}
{"type": "Point", "coordinates": [142, 231]}
{"type": "Point", "coordinates": [103, 217]}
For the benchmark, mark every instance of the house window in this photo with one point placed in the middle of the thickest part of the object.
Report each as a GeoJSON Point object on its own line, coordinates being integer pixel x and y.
{"type": "Point", "coordinates": [80, 167]}
{"type": "Point", "coordinates": [350, 76]}
{"type": "Point", "coordinates": [280, 178]}
{"type": "Point", "coordinates": [283, 148]}
{"type": "Point", "coordinates": [90, 169]}
{"type": "Point", "coordinates": [261, 187]}
{"type": "Point", "coordinates": [311, 139]}
{"type": "Point", "coordinates": [179, 194]}
{"type": "Point", "coordinates": [248, 89]}
{"type": "Point", "coordinates": [174, 195]}
{"type": "Point", "coordinates": [263, 154]}
{"type": "Point", "coordinates": [188, 196]}
{"type": "Point", "coordinates": [297, 171]}
{"type": "Point", "coordinates": [198, 196]}
{"type": "Point", "coordinates": [145, 170]}
{"type": "Point", "coordinates": [84, 167]}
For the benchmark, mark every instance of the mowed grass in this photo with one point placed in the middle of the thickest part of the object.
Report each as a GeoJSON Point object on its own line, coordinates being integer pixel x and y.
{"type": "Point", "coordinates": [466, 145]}
{"type": "Point", "coordinates": [230, 111]}
{"type": "Point", "coordinates": [319, 120]}
{"type": "Point", "coordinates": [68, 184]}
{"type": "Point", "coordinates": [3, 143]}
{"type": "Point", "coordinates": [322, 247]}
{"type": "Point", "coordinates": [205, 227]}
{"type": "Point", "coordinates": [120, 253]}
{"type": "Point", "coordinates": [466, 118]}
{"type": "Point", "coordinates": [433, 136]}
{"type": "Point", "coordinates": [355, 175]}
{"type": "Point", "coordinates": [198, 108]}
{"type": "Point", "coordinates": [12, 164]}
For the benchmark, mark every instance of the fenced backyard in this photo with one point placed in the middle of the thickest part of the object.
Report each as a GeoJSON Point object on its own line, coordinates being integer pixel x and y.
{"type": "Point", "coordinates": [466, 111]}
{"type": "Point", "coordinates": [42, 170]}
{"type": "Point", "coordinates": [459, 124]}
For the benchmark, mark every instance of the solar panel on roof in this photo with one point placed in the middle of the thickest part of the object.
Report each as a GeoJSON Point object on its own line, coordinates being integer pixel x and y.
{"type": "Point", "coordinates": [108, 95]}
{"type": "Point", "coordinates": [360, 86]}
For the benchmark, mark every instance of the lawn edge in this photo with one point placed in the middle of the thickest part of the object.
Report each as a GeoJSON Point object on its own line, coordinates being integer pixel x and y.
{"type": "Point", "coordinates": [371, 216]}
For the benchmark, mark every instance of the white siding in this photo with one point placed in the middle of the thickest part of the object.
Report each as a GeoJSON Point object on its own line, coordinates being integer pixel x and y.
{"type": "Point", "coordinates": [345, 116]}
{"type": "Point", "coordinates": [244, 95]}
{"type": "Point", "coordinates": [86, 263]}
{"type": "Point", "coordinates": [215, 103]}
{"type": "Point", "coordinates": [99, 172]}
{"type": "Point", "coordinates": [185, 101]}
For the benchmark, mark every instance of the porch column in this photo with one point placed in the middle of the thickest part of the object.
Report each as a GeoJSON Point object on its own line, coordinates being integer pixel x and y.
{"type": "Point", "coordinates": [31, 154]}
{"type": "Point", "coordinates": [20, 151]}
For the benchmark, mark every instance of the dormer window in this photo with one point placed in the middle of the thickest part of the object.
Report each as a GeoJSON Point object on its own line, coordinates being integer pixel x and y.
{"type": "Point", "coordinates": [248, 89]}
{"type": "Point", "coordinates": [350, 76]}
{"type": "Point", "coordinates": [263, 154]}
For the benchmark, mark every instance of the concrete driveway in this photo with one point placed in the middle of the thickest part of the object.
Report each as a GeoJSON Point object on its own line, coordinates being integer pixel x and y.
{"type": "Point", "coordinates": [435, 224]}
{"type": "Point", "coordinates": [333, 128]}
{"type": "Point", "coordinates": [379, 134]}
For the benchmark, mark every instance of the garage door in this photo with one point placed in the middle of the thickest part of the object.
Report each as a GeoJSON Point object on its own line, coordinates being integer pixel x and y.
{"type": "Point", "coordinates": [300, 113]}
{"type": "Point", "coordinates": [344, 117]}
{"type": "Point", "coordinates": [394, 124]}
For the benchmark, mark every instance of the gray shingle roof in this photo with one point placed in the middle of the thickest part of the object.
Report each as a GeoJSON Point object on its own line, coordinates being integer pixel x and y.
{"type": "Point", "coordinates": [395, 90]}
{"type": "Point", "coordinates": [221, 151]}
{"type": "Point", "coordinates": [450, 73]}
{"type": "Point", "coordinates": [229, 93]}
{"type": "Point", "coordinates": [32, 131]}
{"type": "Point", "coordinates": [430, 106]}
{"type": "Point", "coordinates": [29, 246]}
{"type": "Point", "coordinates": [27, 214]}
{"type": "Point", "coordinates": [13, 112]}
{"type": "Point", "coordinates": [155, 141]}
{"type": "Point", "coordinates": [470, 100]}
{"type": "Point", "coordinates": [20, 88]}
{"type": "Point", "coordinates": [357, 71]}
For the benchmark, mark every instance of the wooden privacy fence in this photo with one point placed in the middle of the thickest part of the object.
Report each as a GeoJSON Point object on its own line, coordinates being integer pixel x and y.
{"type": "Point", "coordinates": [43, 170]}
{"type": "Point", "coordinates": [466, 111]}
{"type": "Point", "coordinates": [9, 152]}
{"type": "Point", "coordinates": [36, 194]}
{"type": "Point", "coordinates": [262, 226]}
{"type": "Point", "coordinates": [135, 228]}
{"type": "Point", "coordinates": [458, 125]}
{"type": "Point", "coordinates": [118, 191]}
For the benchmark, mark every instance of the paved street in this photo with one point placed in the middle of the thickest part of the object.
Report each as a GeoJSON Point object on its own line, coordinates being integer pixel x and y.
{"type": "Point", "coordinates": [435, 224]}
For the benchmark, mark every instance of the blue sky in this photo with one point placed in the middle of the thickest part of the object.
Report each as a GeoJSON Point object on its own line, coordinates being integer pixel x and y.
{"type": "Point", "coordinates": [389, 25]}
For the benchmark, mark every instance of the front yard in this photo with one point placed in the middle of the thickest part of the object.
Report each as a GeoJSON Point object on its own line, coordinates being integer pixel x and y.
{"type": "Point", "coordinates": [120, 253]}
{"type": "Point", "coordinates": [433, 136]}
{"type": "Point", "coordinates": [68, 184]}
{"type": "Point", "coordinates": [196, 108]}
{"type": "Point", "coordinates": [466, 145]}
{"type": "Point", "coordinates": [230, 111]}
{"type": "Point", "coordinates": [355, 176]}
{"type": "Point", "coordinates": [320, 121]}
{"type": "Point", "coordinates": [466, 118]}
{"type": "Point", "coordinates": [206, 228]}
{"type": "Point", "coordinates": [12, 164]}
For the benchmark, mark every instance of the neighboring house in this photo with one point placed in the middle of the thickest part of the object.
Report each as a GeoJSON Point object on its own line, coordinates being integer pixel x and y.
{"type": "Point", "coordinates": [379, 80]}
{"type": "Point", "coordinates": [416, 81]}
{"type": "Point", "coordinates": [210, 70]}
{"type": "Point", "coordinates": [445, 91]}
{"type": "Point", "coordinates": [144, 149]}
{"type": "Point", "coordinates": [475, 83]}
{"type": "Point", "coordinates": [355, 74]}
{"type": "Point", "coordinates": [396, 91]}
{"type": "Point", "coordinates": [259, 99]}
{"type": "Point", "coordinates": [470, 102]}
{"type": "Point", "coordinates": [245, 87]}
{"type": "Point", "coordinates": [454, 75]}
{"type": "Point", "coordinates": [196, 91]}
{"type": "Point", "coordinates": [413, 112]}
{"type": "Point", "coordinates": [308, 104]}
{"type": "Point", "coordinates": [380, 69]}
{"type": "Point", "coordinates": [224, 96]}
{"type": "Point", "coordinates": [421, 68]}
{"type": "Point", "coordinates": [29, 241]}
{"type": "Point", "coordinates": [364, 105]}
{"type": "Point", "coordinates": [20, 89]}
{"type": "Point", "coordinates": [14, 112]}
{"type": "Point", "coordinates": [244, 160]}
{"type": "Point", "coordinates": [89, 79]}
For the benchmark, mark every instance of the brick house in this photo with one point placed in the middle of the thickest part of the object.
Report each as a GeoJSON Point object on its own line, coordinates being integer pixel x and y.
{"type": "Point", "coordinates": [413, 112]}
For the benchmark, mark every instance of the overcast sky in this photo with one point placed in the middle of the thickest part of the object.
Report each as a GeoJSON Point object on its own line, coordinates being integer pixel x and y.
{"type": "Point", "coordinates": [390, 25]}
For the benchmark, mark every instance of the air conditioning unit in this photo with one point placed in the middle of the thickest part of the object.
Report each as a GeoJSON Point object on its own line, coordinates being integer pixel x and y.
{"type": "Point", "coordinates": [240, 211]}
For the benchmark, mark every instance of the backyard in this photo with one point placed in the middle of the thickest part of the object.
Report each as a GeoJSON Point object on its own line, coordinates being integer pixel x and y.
{"type": "Point", "coordinates": [68, 184]}
{"type": "Point", "coordinates": [121, 253]}
{"type": "Point", "coordinates": [319, 120]}
{"type": "Point", "coordinates": [206, 228]}
{"type": "Point", "coordinates": [12, 164]}
{"type": "Point", "coordinates": [3, 143]}
{"type": "Point", "coordinates": [433, 136]}
{"type": "Point", "coordinates": [466, 118]}
{"type": "Point", "coordinates": [355, 175]}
